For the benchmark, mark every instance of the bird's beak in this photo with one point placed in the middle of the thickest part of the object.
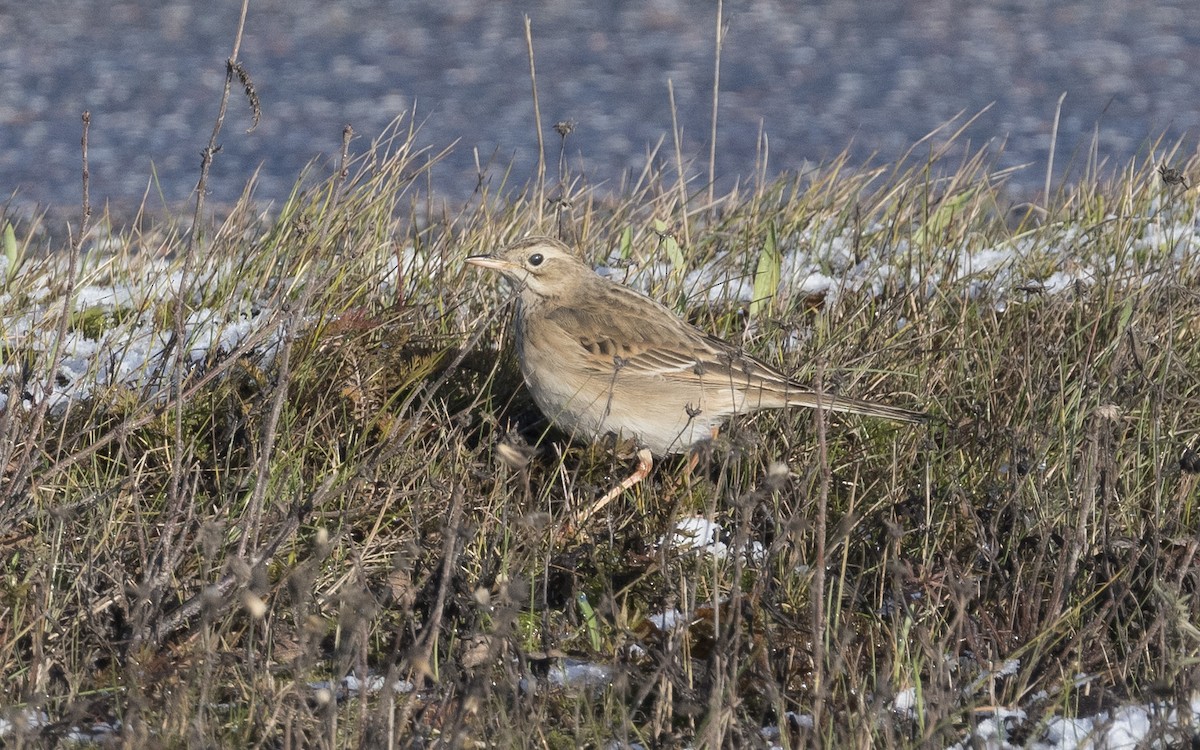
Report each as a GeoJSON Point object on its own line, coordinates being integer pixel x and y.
{"type": "Point", "coordinates": [489, 261]}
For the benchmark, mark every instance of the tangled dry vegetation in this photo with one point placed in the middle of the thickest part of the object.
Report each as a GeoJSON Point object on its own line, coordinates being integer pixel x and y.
{"type": "Point", "coordinates": [359, 484]}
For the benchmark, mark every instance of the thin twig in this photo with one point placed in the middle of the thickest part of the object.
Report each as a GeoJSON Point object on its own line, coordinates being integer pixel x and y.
{"type": "Point", "coordinates": [682, 182]}
{"type": "Point", "coordinates": [1053, 145]}
{"type": "Point", "coordinates": [428, 637]}
{"type": "Point", "coordinates": [206, 155]}
{"type": "Point", "coordinates": [716, 89]}
{"type": "Point", "coordinates": [343, 165]}
{"type": "Point", "coordinates": [537, 122]}
{"type": "Point", "coordinates": [819, 626]}
{"type": "Point", "coordinates": [253, 515]}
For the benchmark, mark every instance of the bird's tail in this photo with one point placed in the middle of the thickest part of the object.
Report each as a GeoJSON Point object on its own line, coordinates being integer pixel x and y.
{"type": "Point", "coordinates": [832, 402]}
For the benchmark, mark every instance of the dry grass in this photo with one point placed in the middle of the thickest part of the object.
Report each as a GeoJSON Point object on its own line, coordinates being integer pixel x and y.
{"type": "Point", "coordinates": [350, 493]}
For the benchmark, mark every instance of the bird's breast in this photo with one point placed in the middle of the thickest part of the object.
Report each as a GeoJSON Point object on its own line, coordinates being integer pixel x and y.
{"type": "Point", "coordinates": [589, 391]}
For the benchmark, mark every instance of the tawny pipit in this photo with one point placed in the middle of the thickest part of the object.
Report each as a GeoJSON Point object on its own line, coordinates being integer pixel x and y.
{"type": "Point", "coordinates": [601, 358]}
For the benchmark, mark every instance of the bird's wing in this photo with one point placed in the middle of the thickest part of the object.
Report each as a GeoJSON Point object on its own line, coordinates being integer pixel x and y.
{"type": "Point", "coordinates": [640, 339]}
{"type": "Point", "coordinates": [651, 341]}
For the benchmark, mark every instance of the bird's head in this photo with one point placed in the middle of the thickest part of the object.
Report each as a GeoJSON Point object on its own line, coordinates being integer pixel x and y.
{"type": "Point", "coordinates": [541, 266]}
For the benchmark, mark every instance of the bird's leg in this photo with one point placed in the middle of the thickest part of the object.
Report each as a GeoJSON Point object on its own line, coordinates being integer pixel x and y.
{"type": "Point", "coordinates": [694, 457]}
{"type": "Point", "coordinates": [694, 460]}
{"type": "Point", "coordinates": [645, 463]}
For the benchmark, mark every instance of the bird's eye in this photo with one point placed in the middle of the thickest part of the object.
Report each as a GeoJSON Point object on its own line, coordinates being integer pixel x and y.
{"type": "Point", "coordinates": [536, 259]}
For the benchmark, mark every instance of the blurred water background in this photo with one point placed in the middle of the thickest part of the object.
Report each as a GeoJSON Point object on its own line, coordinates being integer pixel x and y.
{"type": "Point", "coordinates": [814, 77]}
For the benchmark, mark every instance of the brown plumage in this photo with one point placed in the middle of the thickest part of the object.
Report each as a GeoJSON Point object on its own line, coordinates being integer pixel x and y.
{"type": "Point", "coordinates": [601, 358]}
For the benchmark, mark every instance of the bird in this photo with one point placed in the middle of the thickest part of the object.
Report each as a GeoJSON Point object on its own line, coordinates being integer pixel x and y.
{"type": "Point", "coordinates": [601, 358]}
